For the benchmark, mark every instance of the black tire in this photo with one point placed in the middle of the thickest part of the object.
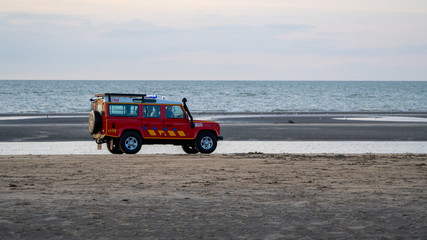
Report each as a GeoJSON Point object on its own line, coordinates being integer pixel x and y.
{"type": "Point", "coordinates": [130, 143]}
{"type": "Point", "coordinates": [115, 149]}
{"type": "Point", "coordinates": [95, 122]}
{"type": "Point", "coordinates": [206, 142]}
{"type": "Point", "coordinates": [190, 149]}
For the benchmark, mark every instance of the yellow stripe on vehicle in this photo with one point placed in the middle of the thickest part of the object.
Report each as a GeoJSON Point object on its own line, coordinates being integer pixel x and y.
{"type": "Point", "coordinates": [152, 132]}
{"type": "Point", "coordinates": [172, 133]}
{"type": "Point", "coordinates": [169, 138]}
{"type": "Point", "coordinates": [181, 133]}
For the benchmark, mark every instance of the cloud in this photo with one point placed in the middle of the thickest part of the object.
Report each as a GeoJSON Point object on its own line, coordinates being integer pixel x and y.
{"type": "Point", "coordinates": [73, 46]}
{"type": "Point", "coordinates": [52, 35]}
{"type": "Point", "coordinates": [223, 38]}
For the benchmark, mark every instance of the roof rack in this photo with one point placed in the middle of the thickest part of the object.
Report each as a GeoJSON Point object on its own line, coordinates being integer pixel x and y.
{"type": "Point", "coordinates": [109, 95]}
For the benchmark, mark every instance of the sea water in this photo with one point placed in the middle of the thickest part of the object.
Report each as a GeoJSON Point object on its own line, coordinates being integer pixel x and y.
{"type": "Point", "coordinates": [57, 96]}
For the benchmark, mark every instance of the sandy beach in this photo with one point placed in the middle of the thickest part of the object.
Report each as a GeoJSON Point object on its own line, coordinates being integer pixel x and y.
{"type": "Point", "coordinates": [234, 196]}
{"type": "Point", "coordinates": [219, 196]}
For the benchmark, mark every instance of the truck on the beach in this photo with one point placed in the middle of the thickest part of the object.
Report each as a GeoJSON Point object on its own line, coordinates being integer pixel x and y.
{"type": "Point", "coordinates": [125, 122]}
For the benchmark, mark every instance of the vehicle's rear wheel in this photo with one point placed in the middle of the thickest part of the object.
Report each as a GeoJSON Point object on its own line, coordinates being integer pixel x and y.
{"type": "Point", "coordinates": [114, 147]}
{"type": "Point", "coordinates": [190, 149]}
{"type": "Point", "coordinates": [206, 142]}
{"type": "Point", "coordinates": [130, 143]}
{"type": "Point", "coordinates": [95, 122]}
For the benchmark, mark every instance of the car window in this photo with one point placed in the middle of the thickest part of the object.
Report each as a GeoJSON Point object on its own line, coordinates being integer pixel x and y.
{"type": "Point", "coordinates": [123, 110]}
{"type": "Point", "coordinates": [174, 112]}
{"type": "Point", "coordinates": [151, 111]}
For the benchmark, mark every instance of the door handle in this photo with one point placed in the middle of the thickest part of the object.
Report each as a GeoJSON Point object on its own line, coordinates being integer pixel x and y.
{"type": "Point", "coordinates": [146, 125]}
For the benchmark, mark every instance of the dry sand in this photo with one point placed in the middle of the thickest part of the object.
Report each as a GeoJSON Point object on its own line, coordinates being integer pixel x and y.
{"type": "Point", "coordinates": [249, 196]}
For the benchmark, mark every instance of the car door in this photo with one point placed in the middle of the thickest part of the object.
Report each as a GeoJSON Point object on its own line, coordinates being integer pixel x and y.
{"type": "Point", "coordinates": [152, 122]}
{"type": "Point", "coordinates": [121, 117]}
{"type": "Point", "coordinates": [176, 123]}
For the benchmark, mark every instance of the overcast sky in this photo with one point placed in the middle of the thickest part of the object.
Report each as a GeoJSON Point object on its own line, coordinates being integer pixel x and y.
{"type": "Point", "coordinates": [214, 39]}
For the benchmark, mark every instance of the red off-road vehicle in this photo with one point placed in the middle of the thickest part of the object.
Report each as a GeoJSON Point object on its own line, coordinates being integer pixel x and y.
{"type": "Point", "coordinates": [127, 121]}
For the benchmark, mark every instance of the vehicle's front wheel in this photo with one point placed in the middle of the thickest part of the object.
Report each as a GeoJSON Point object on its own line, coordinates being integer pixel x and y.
{"type": "Point", "coordinates": [190, 149]}
{"type": "Point", "coordinates": [130, 143]}
{"type": "Point", "coordinates": [206, 142]}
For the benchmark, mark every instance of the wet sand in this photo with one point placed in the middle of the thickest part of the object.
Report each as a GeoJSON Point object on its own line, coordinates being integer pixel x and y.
{"type": "Point", "coordinates": [235, 196]}
{"type": "Point", "coordinates": [238, 127]}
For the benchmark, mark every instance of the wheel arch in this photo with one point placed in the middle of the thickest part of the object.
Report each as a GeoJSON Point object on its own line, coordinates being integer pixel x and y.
{"type": "Point", "coordinates": [131, 130]}
{"type": "Point", "coordinates": [207, 130]}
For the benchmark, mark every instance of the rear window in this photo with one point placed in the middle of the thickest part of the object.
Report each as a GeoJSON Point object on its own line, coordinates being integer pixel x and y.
{"type": "Point", "coordinates": [123, 110]}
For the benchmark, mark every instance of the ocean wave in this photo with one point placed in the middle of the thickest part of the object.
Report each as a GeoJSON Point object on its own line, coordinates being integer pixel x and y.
{"type": "Point", "coordinates": [222, 96]}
